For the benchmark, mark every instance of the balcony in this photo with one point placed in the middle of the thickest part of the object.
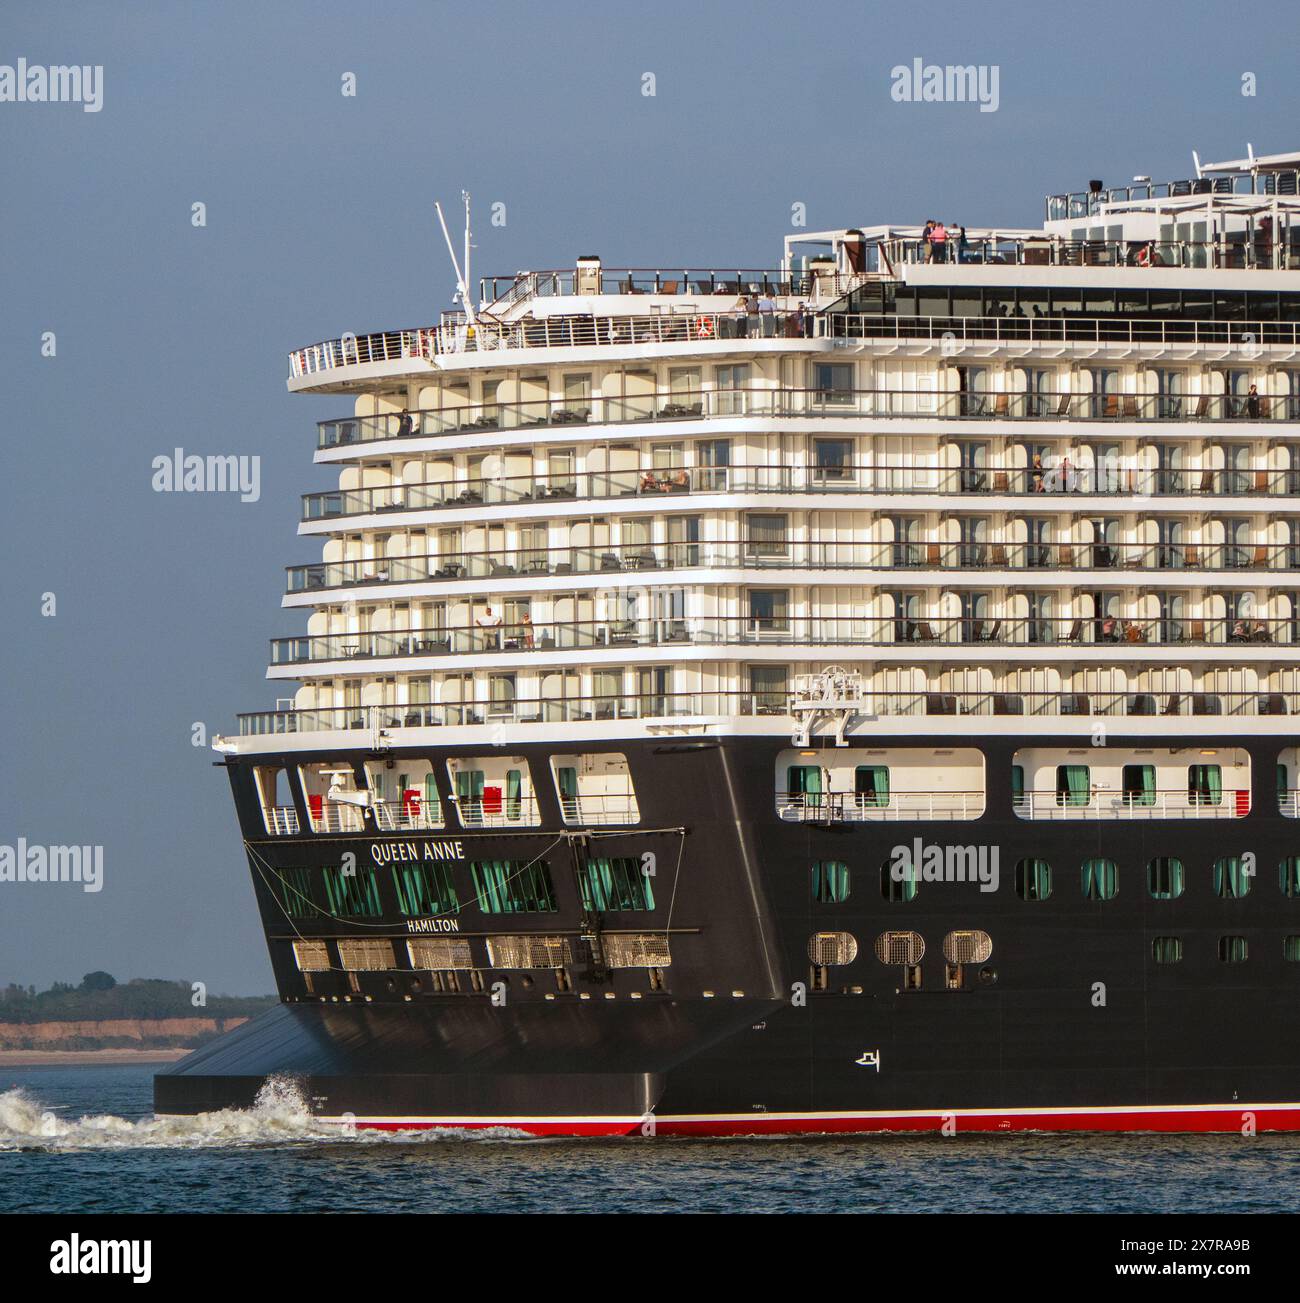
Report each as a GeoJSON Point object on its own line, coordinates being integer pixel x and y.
{"type": "Point", "coordinates": [703, 326]}
{"type": "Point", "coordinates": [859, 807]}
{"type": "Point", "coordinates": [787, 402]}
{"type": "Point", "coordinates": [550, 636]}
{"type": "Point", "coordinates": [1048, 486]}
{"type": "Point", "coordinates": [1135, 559]}
{"type": "Point", "coordinates": [677, 707]}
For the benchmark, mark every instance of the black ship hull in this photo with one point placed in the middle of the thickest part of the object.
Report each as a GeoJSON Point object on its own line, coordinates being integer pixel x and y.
{"type": "Point", "coordinates": [1069, 1025]}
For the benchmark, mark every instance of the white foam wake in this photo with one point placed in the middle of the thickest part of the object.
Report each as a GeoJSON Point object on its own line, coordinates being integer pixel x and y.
{"type": "Point", "coordinates": [279, 1116]}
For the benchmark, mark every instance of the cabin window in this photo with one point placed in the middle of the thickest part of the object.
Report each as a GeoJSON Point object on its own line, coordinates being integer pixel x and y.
{"type": "Point", "coordinates": [295, 893]}
{"type": "Point", "coordinates": [833, 382]}
{"type": "Point", "coordinates": [424, 889]}
{"type": "Point", "coordinates": [352, 894]}
{"type": "Point", "coordinates": [1139, 784]}
{"type": "Point", "coordinates": [1231, 878]}
{"type": "Point", "coordinates": [898, 886]}
{"type": "Point", "coordinates": [513, 886]}
{"type": "Point", "coordinates": [311, 956]}
{"type": "Point", "coordinates": [615, 884]}
{"type": "Point", "coordinates": [367, 955]}
{"type": "Point", "coordinates": [1291, 949]}
{"type": "Point", "coordinates": [469, 796]}
{"type": "Point", "coordinates": [1288, 873]}
{"type": "Point", "coordinates": [1100, 879]}
{"type": "Point", "coordinates": [527, 952]}
{"type": "Point", "coordinates": [1165, 878]}
{"type": "Point", "coordinates": [1204, 785]}
{"type": "Point", "coordinates": [833, 459]}
{"type": "Point", "coordinates": [1233, 950]}
{"type": "Point", "coordinates": [768, 535]}
{"type": "Point", "coordinates": [831, 949]}
{"type": "Point", "coordinates": [830, 881]}
{"type": "Point", "coordinates": [804, 785]}
{"type": "Point", "coordinates": [1072, 785]}
{"type": "Point", "coordinates": [439, 953]}
{"type": "Point", "coordinates": [1033, 879]}
{"type": "Point", "coordinates": [1167, 950]}
{"type": "Point", "coordinates": [871, 785]}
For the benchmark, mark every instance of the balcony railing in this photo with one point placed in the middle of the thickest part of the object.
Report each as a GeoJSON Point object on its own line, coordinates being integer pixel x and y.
{"type": "Point", "coordinates": [689, 326]}
{"type": "Point", "coordinates": [765, 554]}
{"type": "Point", "coordinates": [933, 699]}
{"type": "Point", "coordinates": [548, 636]}
{"type": "Point", "coordinates": [839, 478]}
{"type": "Point", "coordinates": [699, 405]}
{"type": "Point", "coordinates": [641, 280]}
{"type": "Point", "coordinates": [860, 807]}
{"type": "Point", "coordinates": [499, 812]}
{"type": "Point", "coordinates": [1174, 803]}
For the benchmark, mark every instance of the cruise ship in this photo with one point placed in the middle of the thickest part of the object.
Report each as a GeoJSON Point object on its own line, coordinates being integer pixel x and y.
{"type": "Point", "coordinates": [849, 695]}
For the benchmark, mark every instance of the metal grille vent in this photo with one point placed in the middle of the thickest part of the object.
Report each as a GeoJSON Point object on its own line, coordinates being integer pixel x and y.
{"type": "Point", "coordinates": [437, 953]}
{"type": "Point", "coordinates": [527, 952]}
{"type": "Point", "coordinates": [636, 950]}
{"type": "Point", "coordinates": [367, 956]}
{"type": "Point", "coordinates": [826, 949]}
{"type": "Point", "coordinates": [312, 956]}
{"type": "Point", "coordinates": [900, 947]}
{"type": "Point", "coordinates": [970, 947]}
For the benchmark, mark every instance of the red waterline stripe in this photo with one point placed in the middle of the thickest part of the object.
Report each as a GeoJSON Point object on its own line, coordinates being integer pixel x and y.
{"type": "Point", "coordinates": [1209, 1118]}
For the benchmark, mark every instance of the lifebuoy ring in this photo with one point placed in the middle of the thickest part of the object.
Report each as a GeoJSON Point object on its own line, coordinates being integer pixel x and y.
{"type": "Point", "coordinates": [703, 328]}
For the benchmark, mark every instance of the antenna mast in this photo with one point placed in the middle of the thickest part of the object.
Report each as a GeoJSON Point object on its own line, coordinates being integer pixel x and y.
{"type": "Point", "coordinates": [462, 287]}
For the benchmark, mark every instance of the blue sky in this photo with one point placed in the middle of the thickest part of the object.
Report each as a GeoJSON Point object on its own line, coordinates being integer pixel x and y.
{"type": "Point", "coordinates": [319, 212]}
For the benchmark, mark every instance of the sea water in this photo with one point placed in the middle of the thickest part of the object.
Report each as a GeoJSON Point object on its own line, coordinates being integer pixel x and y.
{"type": "Point", "coordinates": [85, 1139]}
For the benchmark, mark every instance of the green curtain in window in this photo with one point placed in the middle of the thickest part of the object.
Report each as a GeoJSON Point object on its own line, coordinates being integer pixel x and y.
{"type": "Point", "coordinates": [352, 894]}
{"type": "Point", "coordinates": [1281, 782]}
{"type": "Point", "coordinates": [830, 881]}
{"type": "Point", "coordinates": [804, 781]}
{"type": "Point", "coordinates": [514, 789]}
{"type": "Point", "coordinates": [1100, 879]}
{"type": "Point", "coordinates": [1233, 950]}
{"type": "Point", "coordinates": [1148, 785]}
{"type": "Point", "coordinates": [567, 777]}
{"type": "Point", "coordinates": [430, 797]}
{"type": "Point", "coordinates": [1165, 878]}
{"type": "Point", "coordinates": [1205, 785]}
{"type": "Point", "coordinates": [1167, 950]}
{"type": "Point", "coordinates": [1034, 879]}
{"type": "Point", "coordinates": [1289, 877]}
{"type": "Point", "coordinates": [871, 783]}
{"type": "Point", "coordinates": [1017, 784]}
{"type": "Point", "coordinates": [1073, 781]}
{"type": "Point", "coordinates": [1231, 880]}
{"type": "Point", "coordinates": [1291, 949]}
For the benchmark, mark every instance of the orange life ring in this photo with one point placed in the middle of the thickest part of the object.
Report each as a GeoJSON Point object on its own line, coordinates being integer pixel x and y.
{"type": "Point", "coordinates": [703, 328]}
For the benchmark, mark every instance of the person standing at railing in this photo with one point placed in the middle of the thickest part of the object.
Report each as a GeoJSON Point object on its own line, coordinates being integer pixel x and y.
{"type": "Point", "coordinates": [739, 321]}
{"type": "Point", "coordinates": [1252, 403]}
{"type": "Point", "coordinates": [927, 243]}
{"type": "Point", "coordinates": [490, 622]}
{"type": "Point", "coordinates": [957, 235]}
{"type": "Point", "coordinates": [751, 316]}
{"type": "Point", "coordinates": [939, 242]}
{"type": "Point", "coordinates": [767, 313]}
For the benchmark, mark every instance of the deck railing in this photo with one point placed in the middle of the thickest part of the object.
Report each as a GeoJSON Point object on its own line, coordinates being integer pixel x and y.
{"type": "Point", "coordinates": [1173, 803]}
{"type": "Point", "coordinates": [1245, 559]}
{"type": "Point", "coordinates": [861, 807]}
{"type": "Point", "coordinates": [828, 404]}
{"type": "Point", "coordinates": [934, 699]}
{"type": "Point", "coordinates": [491, 637]}
{"type": "Point", "coordinates": [687, 324]}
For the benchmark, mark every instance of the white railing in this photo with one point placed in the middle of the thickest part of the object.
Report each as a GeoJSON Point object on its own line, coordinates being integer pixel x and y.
{"type": "Point", "coordinates": [282, 820]}
{"type": "Point", "coordinates": [860, 807]}
{"type": "Point", "coordinates": [497, 812]}
{"type": "Point", "coordinates": [409, 814]}
{"type": "Point", "coordinates": [618, 807]}
{"type": "Point", "coordinates": [1174, 804]}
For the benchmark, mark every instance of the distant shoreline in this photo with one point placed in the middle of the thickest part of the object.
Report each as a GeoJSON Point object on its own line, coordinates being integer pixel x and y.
{"type": "Point", "coordinates": [86, 1058]}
